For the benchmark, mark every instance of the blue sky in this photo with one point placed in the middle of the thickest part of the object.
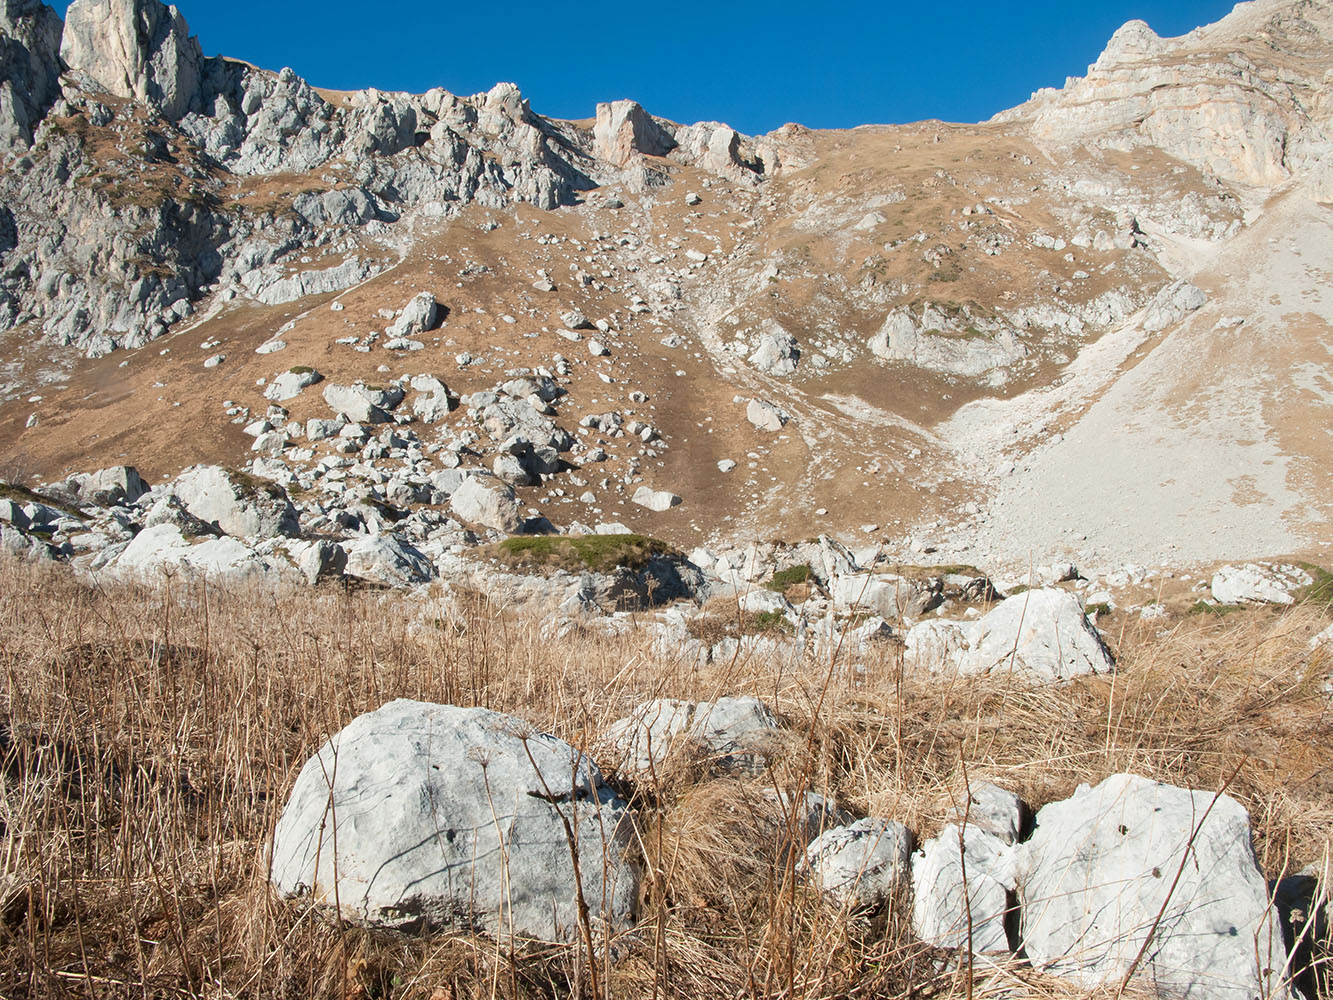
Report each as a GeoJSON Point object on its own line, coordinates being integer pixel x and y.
{"type": "Point", "coordinates": [752, 65]}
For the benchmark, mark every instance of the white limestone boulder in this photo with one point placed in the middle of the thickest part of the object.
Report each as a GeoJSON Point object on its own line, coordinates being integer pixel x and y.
{"type": "Point", "coordinates": [489, 502]}
{"type": "Point", "coordinates": [420, 315]}
{"type": "Point", "coordinates": [235, 503]}
{"type": "Point", "coordinates": [1040, 634]}
{"type": "Point", "coordinates": [885, 594]}
{"type": "Point", "coordinates": [861, 863]}
{"type": "Point", "coordinates": [1256, 584]}
{"type": "Point", "coordinates": [733, 732]}
{"type": "Point", "coordinates": [655, 500]}
{"type": "Point", "coordinates": [1102, 865]}
{"type": "Point", "coordinates": [388, 560]}
{"type": "Point", "coordinates": [423, 816]}
{"type": "Point", "coordinates": [291, 383]}
{"type": "Point", "coordinates": [942, 913]}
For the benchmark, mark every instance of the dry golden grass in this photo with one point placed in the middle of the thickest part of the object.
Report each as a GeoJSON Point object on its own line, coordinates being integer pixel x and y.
{"type": "Point", "coordinates": [150, 737]}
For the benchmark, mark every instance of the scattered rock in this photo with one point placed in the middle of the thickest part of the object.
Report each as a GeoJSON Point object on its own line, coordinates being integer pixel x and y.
{"type": "Point", "coordinates": [765, 415]}
{"type": "Point", "coordinates": [655, 500]}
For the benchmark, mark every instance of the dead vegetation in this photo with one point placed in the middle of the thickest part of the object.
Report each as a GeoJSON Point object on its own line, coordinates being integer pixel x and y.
{"type": "Point", "coordinates": [150, 736]}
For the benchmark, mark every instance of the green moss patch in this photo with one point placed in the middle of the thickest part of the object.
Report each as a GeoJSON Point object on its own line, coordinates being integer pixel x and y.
{"type": "Point", "coordinates": [596, 553]}
{"type": "Point", "coordinates": [792, 576]}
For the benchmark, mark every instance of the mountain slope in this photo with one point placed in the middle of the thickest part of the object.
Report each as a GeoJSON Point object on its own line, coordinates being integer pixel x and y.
{"type": "Point", "coordinates": [1091, 328]}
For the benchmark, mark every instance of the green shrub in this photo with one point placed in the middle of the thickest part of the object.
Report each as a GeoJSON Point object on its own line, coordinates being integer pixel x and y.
{"type": "Point", "coordinates": [790, 577]}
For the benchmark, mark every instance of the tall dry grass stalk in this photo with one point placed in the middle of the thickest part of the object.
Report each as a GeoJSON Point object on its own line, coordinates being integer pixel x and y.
{"type": "Point", "coordinates": [150, 736]}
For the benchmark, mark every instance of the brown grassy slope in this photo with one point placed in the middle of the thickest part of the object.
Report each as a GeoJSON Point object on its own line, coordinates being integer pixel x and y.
{"type": "Point", "coordinates": [150, 739]}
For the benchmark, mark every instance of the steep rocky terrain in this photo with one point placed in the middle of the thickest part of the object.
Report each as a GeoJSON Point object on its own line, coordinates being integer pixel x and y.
{"type": "Point", "coordinates": [1093, 328]}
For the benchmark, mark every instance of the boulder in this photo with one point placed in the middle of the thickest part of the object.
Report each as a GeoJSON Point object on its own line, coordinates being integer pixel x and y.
{"type": "Point", "coordinates": [776, 352]}
{"type": "Point", "coordinates": [119, 484]}
{"type": "Point", "coordinates": [862, 863]}
{"type": "Point", "coordinates": [164, 548]}
{"type": "Point", "coordinates": [993, 810]}
{"type": "Point", "coordinates": [487, 501]}
{"type": "Point", "coordinates": [1043, 634]}
{"type": "Point", "coordinates": [362, 404]}
{"type": "Point", "coordinates": [1103, 864]}
{"type": "Point", "coordinates": [423, 816]}
{"type": "Point", "coordinates": [732, 732]}
{"type": "Point", "coordinates": [420, 315]}
{"type": "Point", "coordinates": [318, 560]}
{"type": "Point", "coordinates": [235, 503]}
{"type": "Point", "coordinates": [885, 594]}
{"type": "Point", "coordinates": [1254, 584]}
{"type": "Point", "coordinates": [289, 384]}
{"type": "Point", "coordinates": [655, 500]}
{"type": "Point", "coordinates": [765, 415]}
{"type": "Point", "coordinates": [387, 559]}
{"type": "Point", "coordinates": [942, 914]}
{"type": "Point", "coordinates": [936, 647]}
{"type": "Point", "coordinates": [136, 49]}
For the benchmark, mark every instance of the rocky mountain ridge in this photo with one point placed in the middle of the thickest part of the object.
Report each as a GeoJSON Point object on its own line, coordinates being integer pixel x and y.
{"type": "Point", "coordinates": [678, 329]}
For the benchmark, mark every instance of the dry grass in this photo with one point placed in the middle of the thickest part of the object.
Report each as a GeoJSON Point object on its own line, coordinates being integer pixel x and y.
{"type": "Point", "coordinates": [150, 738]}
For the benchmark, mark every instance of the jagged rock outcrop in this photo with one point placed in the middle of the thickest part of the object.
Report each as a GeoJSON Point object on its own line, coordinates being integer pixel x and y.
{"type": "Point", "coordinates": [29, 68]}
{"type": "Point", "coordinates": [137, 49]}
{"type": "Point", "coordinates": [942, 342]}
{"type": "Point", "coordinates": [624, 130]}
{"type": "Point", "coordinates": [1233, 99]}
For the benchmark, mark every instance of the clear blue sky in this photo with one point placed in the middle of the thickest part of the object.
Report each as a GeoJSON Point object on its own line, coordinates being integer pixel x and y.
{"type": "Point", "coordinates": [753, 65]}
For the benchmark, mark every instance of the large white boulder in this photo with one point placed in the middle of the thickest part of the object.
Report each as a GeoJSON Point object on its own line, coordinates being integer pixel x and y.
{"type": "Point", "coordinates": [731, 731]}
{"type": "Point", "coordinates": [163, 548]}
{"type": "Point", "coordinates": [236, 504]}
{"type": "Point", "coordinates": [1102, 865]}
{"type": "Point", "coordinates": [765, 415]}
{"type": "Point", "coordinates": [1043, 634]}
{"type": "Point", "coordinates": [885, 594]}
{"type": "Point", "coordinates": [937, 647]}
{"type": "Point", "coordinates": [420, 815]}
{"type": "Point", "coordinates": [420, 315]}
{"type": "Point", "coordinates": [289, 384]}
{"type": "Point", "coordinates": [655, 500]}
{"type": "Point", "coordinates": [362, 404]}
{"type": "Point", "coordinates": [489, 502]}
{"type": "Point", "coordinates": [387, 559]}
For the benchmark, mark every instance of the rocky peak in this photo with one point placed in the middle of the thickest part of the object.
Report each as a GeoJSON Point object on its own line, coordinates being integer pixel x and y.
{"type": "Point", "coordinates": [1134, 41]}
{"type": "Point", "coordinates": [29, 67]}
{"type": "Point", "coordinates": [1239, 99]}
{"type": "Point", "coordinates": [136, 49]}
